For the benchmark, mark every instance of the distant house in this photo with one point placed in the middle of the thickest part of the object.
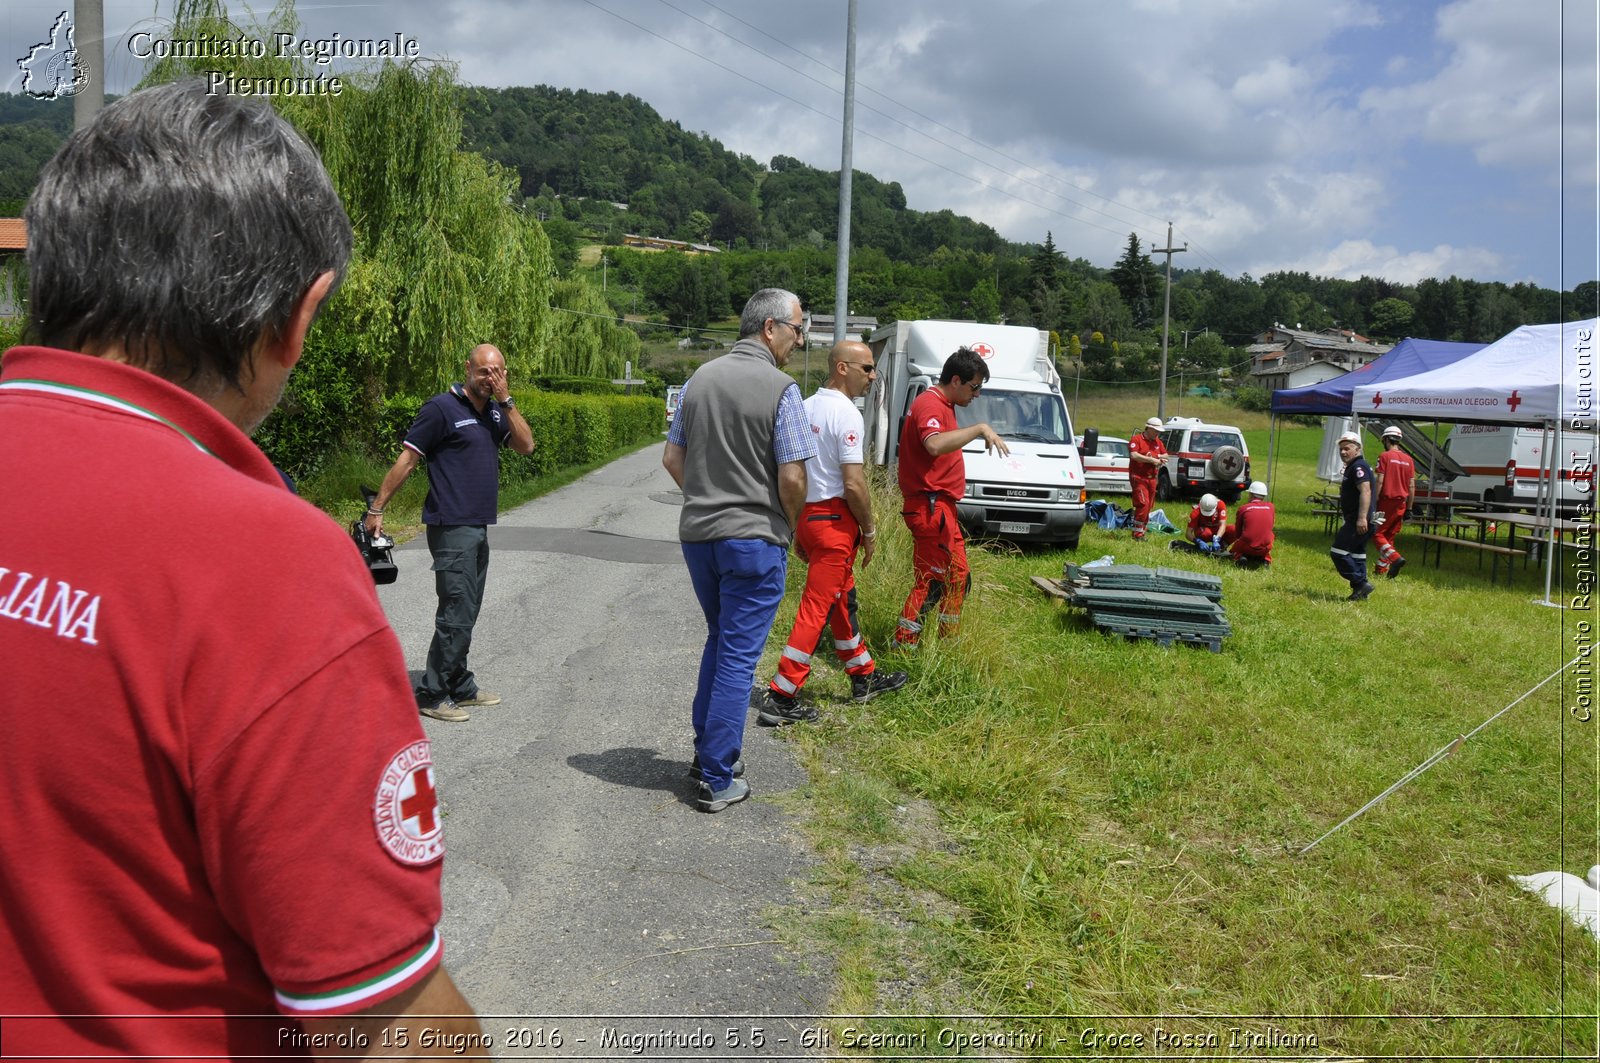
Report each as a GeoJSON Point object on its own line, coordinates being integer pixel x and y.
{"type": "Point", "coordinates": [1291, 358]}
{"type": "Point", "coordinates": [661, 243]}
{"type": "Point", "coordinates": [820, 332]}
{"type": "Point", "coordinates": [13, 247]}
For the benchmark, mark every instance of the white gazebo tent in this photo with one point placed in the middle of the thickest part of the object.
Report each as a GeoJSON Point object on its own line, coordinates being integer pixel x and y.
{"type": "Point", "coordinates": [1539, 376]}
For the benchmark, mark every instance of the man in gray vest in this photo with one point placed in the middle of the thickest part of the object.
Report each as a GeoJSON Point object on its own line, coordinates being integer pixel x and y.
{"type": "Point", "coordinates": [738, 448]}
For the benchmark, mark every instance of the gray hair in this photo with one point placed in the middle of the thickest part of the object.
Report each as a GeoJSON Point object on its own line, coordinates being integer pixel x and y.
{"type": "Point", "coordinates": [183, 227]}
{"type": "Point", "coordinates": [774, 303]}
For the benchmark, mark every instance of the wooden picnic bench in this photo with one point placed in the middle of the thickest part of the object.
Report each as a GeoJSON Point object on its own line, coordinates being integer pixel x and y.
{"type": "Point", "coordinates": [1494, 550]}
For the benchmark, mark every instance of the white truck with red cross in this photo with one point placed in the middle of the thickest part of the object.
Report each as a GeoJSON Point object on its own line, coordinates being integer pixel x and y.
{"type": "Point", "coordinates": [1034, 494]}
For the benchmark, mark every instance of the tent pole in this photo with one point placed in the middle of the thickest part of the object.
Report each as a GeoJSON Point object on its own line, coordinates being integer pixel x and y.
{"type": "Point", "coordinates": [1272, 449]}
{"type": "Point", "coordinates": [1545, 501]}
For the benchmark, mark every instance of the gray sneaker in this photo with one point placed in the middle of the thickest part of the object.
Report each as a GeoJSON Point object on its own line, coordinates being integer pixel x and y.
{"type": "Point", "coordinates": [482, 697]}
{"type": "Point", "coordinates": [446, 710]}
{"type": "Point", "coordinates": [716, 801]}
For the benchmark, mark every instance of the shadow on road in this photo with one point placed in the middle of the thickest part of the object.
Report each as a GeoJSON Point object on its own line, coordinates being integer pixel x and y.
{"type": "Point", "coordinates": [642, 769]}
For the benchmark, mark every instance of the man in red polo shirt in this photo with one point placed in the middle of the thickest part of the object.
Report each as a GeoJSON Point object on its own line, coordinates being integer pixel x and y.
{"type": "Point", "coordinates": [233, 848]}
{"type": "Point", "coordinates": [1146, 455]}
{"type": "Point", "coordinates": [933, 476]}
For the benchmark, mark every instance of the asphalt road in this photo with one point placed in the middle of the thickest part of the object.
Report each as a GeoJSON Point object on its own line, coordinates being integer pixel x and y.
{"type": "Point", "coordinates": [580, 882]}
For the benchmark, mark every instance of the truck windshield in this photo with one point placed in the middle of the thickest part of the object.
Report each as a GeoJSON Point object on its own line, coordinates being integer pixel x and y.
{"type": "Point", "coordinates": [1039, 418]}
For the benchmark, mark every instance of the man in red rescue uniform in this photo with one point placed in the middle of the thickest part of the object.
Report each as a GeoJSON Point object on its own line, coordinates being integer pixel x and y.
{"type": "Point", "coordinates": [837, 519]}
{"type": "Point", "coordinates": [933, 475]}
{"type": "Point", "coordinates": [1146, 455]}
{"type": "Point", "coordinates": [1396, 477]}
{"type": "Point", "coordinates": [1206, 521]}
{"type": "Point", "coordinates": [1249, 537]}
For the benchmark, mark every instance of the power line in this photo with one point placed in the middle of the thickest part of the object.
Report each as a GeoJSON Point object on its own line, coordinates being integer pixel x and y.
{"type": "Point", "coordinates": [927, 118]}
{"type": "Point", "coordinates": [645, 324]}
{"type": "Point", "coordinates": [818, 111]}
{"type": "Point", "coordinates": [918, 132]}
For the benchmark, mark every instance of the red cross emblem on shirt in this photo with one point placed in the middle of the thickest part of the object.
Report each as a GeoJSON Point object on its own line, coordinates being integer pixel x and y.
{"type": "Point", "coordinates": [423, 801]}
{"type": "Point", "coordinates": [406, 807]}
{"type": "Point", "coordinates": [851, 439]}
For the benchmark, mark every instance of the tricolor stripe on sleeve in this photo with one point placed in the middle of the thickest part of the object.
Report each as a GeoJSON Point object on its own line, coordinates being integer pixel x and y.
{"type": "Point", "coordinates": [354, 997]}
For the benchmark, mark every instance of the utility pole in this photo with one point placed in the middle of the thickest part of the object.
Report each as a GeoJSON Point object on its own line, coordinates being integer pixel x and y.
{"type": "Point", "coordinates": [89, 41]}
{"type": "Point", "coordinates": [841, 283]}
{"type": "Point", "coordinates": [1166, 320]}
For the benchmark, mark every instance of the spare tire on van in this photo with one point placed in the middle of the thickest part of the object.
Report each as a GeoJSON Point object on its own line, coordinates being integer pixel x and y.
{"type": "Point", "coordinates": [1227, 463]}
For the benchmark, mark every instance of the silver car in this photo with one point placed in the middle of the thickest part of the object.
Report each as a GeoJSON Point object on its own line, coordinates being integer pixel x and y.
{"type": "Point", "coordinates": [1106, 470]}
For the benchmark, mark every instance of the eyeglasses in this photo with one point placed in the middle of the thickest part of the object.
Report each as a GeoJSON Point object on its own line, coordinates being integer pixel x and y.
{"type": "Point", "coordinates": [799, 330]}
{"type": "Point", "coordinates": [976, 387]}
{"type": "Point", "coordinates": [871, 370]}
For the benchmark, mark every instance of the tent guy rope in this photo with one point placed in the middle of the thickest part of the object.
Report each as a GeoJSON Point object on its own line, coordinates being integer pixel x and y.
{"type": "Point", "coordinates": [1445, 751]}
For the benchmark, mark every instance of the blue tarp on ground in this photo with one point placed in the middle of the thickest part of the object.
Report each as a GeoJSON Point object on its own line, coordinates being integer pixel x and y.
{"type": "Point", "coordinates": [1409, 357]}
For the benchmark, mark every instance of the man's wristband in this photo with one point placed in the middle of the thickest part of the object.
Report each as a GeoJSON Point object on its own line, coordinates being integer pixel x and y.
{"type": "Point", "coordinates": [508, 402]}
{"type": "Point", "coordinates": [374, 512]}
{"type": "Point", "coordinates": [873, 534]}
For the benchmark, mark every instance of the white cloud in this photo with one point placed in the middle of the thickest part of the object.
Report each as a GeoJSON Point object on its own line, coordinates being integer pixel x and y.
{"type": "Point", "coordinates": [1353, 259]}
{"type": "Point", "coordinates": [1252, 124]}
{"type": "Point", "coordinates": [1499, 93]}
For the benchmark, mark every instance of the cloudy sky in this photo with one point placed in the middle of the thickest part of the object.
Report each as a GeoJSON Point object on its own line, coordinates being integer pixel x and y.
{"type": "Point", "coordinates": [1341, 137]}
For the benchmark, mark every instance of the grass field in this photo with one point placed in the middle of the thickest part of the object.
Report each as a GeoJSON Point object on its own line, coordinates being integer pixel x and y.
{"type": "Point", "coordinates": [1052, 822]}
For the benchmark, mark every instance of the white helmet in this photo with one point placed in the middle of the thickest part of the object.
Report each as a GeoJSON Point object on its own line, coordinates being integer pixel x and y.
{"type": "Point", "coordinates": [1208, 504]}
{"type": "Point", "coordinates": [1259, 488]}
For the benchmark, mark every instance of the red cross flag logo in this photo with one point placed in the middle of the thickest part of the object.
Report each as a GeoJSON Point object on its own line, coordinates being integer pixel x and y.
{"type": "Point", "coordinates": [1514, 401]}
{"type": "Point", "coordinates": [982, 350]}
{"type": "Point", "coordinates": [1377, 399]}
{"type": "Point", "coordinates": [851, 439]}
{"type": "Point", "coordinates": [406, 810]}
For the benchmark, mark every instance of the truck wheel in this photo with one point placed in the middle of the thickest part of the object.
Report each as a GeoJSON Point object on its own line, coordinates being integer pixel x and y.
{"type": "Point", "coordinates": [1164, 492]}
{"type": "Point", "coordinates": [1071, 541]}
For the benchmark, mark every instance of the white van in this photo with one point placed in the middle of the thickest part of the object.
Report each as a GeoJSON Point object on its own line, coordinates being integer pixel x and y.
{"type": "Point", "coordinates": [1503, 464]}
{"type": "Point", "coordinates": [1034, 494]}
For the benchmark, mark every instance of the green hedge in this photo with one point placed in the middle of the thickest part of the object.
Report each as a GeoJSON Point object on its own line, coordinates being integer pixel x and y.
{"type": "Point", "coordinates": [11, 332]}
{"type": "Point", "coordinates": [575, 430]}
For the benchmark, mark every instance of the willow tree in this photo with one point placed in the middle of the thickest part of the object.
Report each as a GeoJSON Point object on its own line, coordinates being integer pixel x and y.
{"type": "Point", "coordinates": [583, 338]}
{"type": "Point", "coordinates": [442, 259]}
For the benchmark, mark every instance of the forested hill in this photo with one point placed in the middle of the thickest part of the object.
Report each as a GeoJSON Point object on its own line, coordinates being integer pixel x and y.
{"type": "Point", "coordinates": [568, 144]}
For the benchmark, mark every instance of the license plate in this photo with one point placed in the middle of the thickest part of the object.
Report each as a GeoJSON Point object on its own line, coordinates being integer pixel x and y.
{"type": "Point", "coordinates": [1014, 528]}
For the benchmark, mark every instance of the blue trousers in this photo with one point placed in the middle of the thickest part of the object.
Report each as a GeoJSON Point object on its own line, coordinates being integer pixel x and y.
{"type": "Point", "coordinates": [739, 583]}
{"type": "Point", "coordinates": [460, 567]}
{"type": "Point", "coordinates": [1349, 553]}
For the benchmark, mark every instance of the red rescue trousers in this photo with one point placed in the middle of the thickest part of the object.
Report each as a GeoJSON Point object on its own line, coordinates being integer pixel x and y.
{"type": "Point", "coordinates": [1394, 511]}
{"type": "Point", "coordinates": [829, 535]}
{"type": "Point", "coordinates": [1143, 489]}
{"type": "Point", "coordinates": [938, 563]}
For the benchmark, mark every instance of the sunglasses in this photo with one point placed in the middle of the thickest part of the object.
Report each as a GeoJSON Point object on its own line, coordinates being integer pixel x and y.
{"type": "Point", "coordinates": [868, 367]}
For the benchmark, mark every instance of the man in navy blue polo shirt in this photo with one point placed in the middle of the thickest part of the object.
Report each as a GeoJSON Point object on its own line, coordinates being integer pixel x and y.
{"type": "Point", "coordinates": [459, 432]}
{"type": "Point", "coordinates": [1349, 550]}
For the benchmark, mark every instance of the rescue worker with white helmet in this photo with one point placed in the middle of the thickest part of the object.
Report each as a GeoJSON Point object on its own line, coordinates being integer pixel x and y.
{"type": "Point", "coordinates": [1206, 521]}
